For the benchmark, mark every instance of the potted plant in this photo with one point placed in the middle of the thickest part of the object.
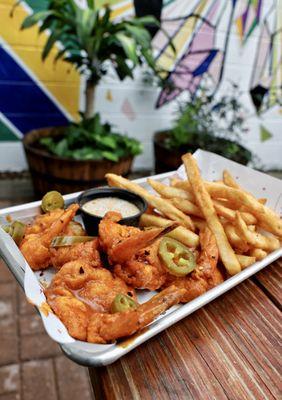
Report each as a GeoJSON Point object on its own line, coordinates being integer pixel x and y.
{"type": "Point", "coordinates": [78, 156]}
{"type": "Point", "coordinates": [207, 123]}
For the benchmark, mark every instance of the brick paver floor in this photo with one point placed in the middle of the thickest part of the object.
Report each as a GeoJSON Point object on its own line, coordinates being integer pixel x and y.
{"type": "Point", "coordinates": [32, 366]}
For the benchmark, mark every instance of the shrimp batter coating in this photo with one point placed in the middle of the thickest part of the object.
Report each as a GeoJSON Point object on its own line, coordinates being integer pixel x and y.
{"type": "Point", "coordinates": [88, 251]}
{"type": "Point", "coordinates": [81, 296]}
{"type": "Point", "coordinates": [36, 246]}
{"type": "Point", "coordinates": [133, 252]}
{"type": "Point", "coordinates": [144, 270]}
{"type": "Point", "coordinates": [44, 221]}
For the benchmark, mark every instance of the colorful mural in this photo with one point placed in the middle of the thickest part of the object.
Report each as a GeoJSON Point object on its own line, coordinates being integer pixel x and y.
{"type": "Point", "coordinates": [215, 40]}
{"type": "Point", "coordinates": [266, 81]}
{"type": "Point", "coordinates": [194, 36]}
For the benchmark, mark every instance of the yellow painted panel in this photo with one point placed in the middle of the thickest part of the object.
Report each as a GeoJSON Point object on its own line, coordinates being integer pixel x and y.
{"type": "Point", "coordinates": [19, 41]}
{"type": "Point", "coordinates": [167, 59]}
{"type": "Point", "coordinates": [121, 9]}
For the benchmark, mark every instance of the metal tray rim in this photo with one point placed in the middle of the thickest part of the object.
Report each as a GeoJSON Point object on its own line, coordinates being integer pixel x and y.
{"type": "Point", "coordinates": [112, 353]}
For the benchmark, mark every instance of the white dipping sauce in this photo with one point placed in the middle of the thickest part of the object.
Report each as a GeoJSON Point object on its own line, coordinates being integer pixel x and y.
{"type": "Point", "coordinates": [102, 205]}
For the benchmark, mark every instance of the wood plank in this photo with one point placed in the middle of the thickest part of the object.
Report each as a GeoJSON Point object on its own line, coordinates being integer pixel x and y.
{"type": "Point", "coordinates": [270, 281]}
{"type": "Point", "coordinates": [228, 349]}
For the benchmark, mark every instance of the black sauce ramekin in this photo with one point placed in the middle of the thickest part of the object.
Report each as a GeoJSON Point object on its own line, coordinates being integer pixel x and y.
{"type": "Point", "coordinates": [91, 222]}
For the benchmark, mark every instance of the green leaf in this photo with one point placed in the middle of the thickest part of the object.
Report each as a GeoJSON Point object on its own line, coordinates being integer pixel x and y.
{"type": "Point", "coordinates": [61, 148]}
{"type": "Point", "coordinates": [129, 46]}
{"type": "Point", "coordinates": [55, 35]}
{"type": "Point", "coordinates": [91, 4]}
{"type": "Point", "coordinates": [265, 134]}
{"type": "Point", "coordinates": [35, 18]}
{"type": "Point", "coordinates": [110, 156]}
{"type": "Point", "coordinates": [107, 141]}
{"type": "Point", "coordinates": [140, 34]}
{"type": "Point", "coordinates": [147, 20]}
{"type": "Point", "coordinates": [122, 69]}
{"type": "Point", "coordinates": [87, 153]}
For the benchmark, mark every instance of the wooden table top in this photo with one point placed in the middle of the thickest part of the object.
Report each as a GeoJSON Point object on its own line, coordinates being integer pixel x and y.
{"type": "Point", "coordinates": [228, 349]}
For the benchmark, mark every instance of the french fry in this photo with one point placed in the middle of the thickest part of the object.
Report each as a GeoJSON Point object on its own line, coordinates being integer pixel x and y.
{"type": "Point", "coordinates": [169, 192]}
{"type": "Point", "coordinates": [230, 214]}
{"type": "Point", "coordinates": [245, 261]}
{"type": "Point", "coordinates": [186, 206]}
{"type": "Point", "coordinates": [199, 223]}
{"type": "Point", "coordinates": [251, 228]}
{"type": "Point", "coordinates": [256, 239]}
{"type": "Point", "coordinates": [174, 181]}
{"type": "Point", "coordinates": [205, 204]}
{"type": "Point", "coordinates": [259, 254]}
{"type": "Point", "coordinates": [262, 201]}
{"type": "Point", "coordinates": [234, 239]}
{"type": "Point", "coordinates": [267, 219]}
{"type": "Point", "coordinates": [185, 185]}
{"type": "Point", "coordinates": [166, 208]}
{"type": "Point", "coordinates": [229, 180]}
{"type": "Point", "coordinates": [183, 235]}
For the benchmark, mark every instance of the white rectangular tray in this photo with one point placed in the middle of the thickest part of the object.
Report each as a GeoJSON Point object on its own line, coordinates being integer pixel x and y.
{"type": "Point", "coordinates": [89, 354]}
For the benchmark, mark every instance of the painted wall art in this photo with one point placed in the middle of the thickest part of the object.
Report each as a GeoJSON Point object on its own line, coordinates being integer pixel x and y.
{"type": "Point", "coordinates": [216, 42]}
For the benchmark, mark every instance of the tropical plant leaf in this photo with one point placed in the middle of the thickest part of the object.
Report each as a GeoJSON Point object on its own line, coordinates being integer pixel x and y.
{"type": "Point", "coordinates": [129, 46]}
{"type": "Point", "coordinates": [50, 43]}
{"type": "Point", "coordinates": [147, 20]}
{"type": "Point", "coordinates": [90, 39]}
{"type": "Point", "coordinates": [35, 18]}
{"type": "Point", "coordinates": [141, 35]}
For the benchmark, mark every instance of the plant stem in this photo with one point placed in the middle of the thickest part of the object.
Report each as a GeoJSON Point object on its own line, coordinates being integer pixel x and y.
{"type": "Point", "coordinates": [89, 99]}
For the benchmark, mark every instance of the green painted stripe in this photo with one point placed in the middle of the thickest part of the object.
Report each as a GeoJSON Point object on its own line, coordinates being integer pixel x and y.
{"type": "Point", "coordinates": [37, 5]}
{"type": "Point", "coordinates": [6, 134]}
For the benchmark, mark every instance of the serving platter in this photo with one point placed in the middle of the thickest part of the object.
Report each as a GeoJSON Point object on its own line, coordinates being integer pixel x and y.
{"type": "Point", "coordinates": [89, 354]}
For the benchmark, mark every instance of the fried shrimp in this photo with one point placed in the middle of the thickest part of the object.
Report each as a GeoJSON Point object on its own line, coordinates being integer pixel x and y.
{"type": "Point", "coordinates": [133, 252]}
{"type": "Point", "coordinates": [82, 296]}
{"type": "Point", "coordinates": [206, 275]}
{"type": "Point", "coordinates": [44, 221]}
{"type": "Point", "coordinates": [88, 251]}
{"type": "Point", "coordinates": [36, 246]}
{"type": "Point", "coordinates": [104, 328]}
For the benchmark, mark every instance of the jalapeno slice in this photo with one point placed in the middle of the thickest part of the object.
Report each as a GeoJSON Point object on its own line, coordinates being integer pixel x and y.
{"type": "Point", "coordinates": [122, 303]}
{"type": "Point", "coordinates": [16, 230]}
{"type": "Point", "coordinates": [51, 201]}
{"type": "Point", "coordinates": [62, 241]}
{"type": "Point", "coordinates": [176, 257]}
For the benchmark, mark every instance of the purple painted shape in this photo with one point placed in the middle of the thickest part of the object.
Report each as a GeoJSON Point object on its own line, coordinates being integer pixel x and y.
{"type": "Point", "coordinates": [215, 67]}
{"type": "Point", "coordinates": [187, 66]}
{"type": "Point", "coordinates": [244, 18]}
{"type": "Point", "coordinates": [204, 38]}
{"type": "Point", "coordinates": [259, 9]}
{"type": "Point", "coordinates": [166, 96]}
{"type": "Point", "coordinates": [213, 10]}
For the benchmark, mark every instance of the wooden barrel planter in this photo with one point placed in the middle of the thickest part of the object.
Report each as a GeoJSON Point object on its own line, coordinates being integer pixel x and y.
{"type": "Point", "coordinates": [50, 172]}
{"type": "Point", "coordinates": [169, 159]}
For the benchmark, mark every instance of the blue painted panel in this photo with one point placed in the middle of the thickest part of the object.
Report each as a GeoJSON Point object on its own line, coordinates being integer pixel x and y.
{"type": "Point", "coordinates": [22, 101]}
